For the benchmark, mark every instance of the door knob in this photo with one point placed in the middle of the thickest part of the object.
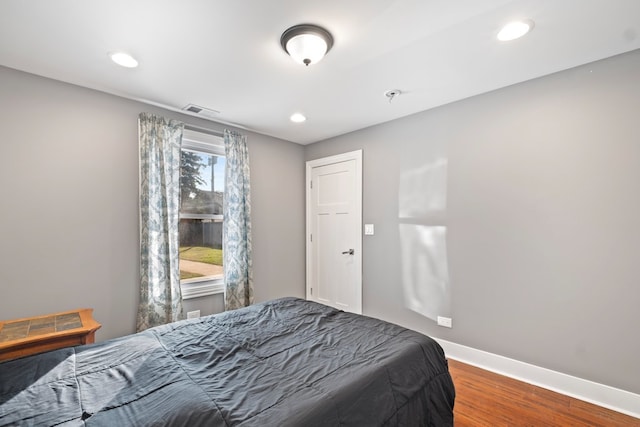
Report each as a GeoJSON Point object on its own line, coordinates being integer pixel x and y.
{"type": "Point", "coordinates": [349, 252]}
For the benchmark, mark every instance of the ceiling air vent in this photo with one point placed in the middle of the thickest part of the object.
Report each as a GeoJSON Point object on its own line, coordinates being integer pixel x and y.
{"type": "Point", "coordinates": [201, 111]}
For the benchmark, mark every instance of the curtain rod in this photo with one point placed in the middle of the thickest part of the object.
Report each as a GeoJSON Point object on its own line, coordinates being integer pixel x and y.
{"type": "Point", "coordinates": [204, 130]}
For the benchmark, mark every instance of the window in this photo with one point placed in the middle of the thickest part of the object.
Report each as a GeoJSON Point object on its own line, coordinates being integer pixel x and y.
{"type": "Point", "coordinates": [202, 167]}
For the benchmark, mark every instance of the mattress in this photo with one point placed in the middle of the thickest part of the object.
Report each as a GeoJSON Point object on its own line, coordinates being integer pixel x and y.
{"type": "Point", "coordinates": [287, 362]}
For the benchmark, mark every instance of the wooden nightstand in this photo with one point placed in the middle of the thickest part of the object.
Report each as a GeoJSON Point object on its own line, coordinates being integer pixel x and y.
{"type": "Point", "coordinates": [22, 337]}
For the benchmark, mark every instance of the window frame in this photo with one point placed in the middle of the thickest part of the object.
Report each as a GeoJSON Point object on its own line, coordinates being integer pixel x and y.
{"type": "Point", "coordinates": [201, 142]}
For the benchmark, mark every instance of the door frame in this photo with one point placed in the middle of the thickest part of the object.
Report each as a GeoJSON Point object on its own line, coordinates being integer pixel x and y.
{"type": "Point", "coordinates": [325, 161]}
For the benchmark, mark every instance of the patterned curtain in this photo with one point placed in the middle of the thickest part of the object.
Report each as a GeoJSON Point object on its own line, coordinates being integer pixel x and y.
{"type": "Point", "coordinates": [160, 299]}
{"type": "Point", "coordinates": [236, 242]}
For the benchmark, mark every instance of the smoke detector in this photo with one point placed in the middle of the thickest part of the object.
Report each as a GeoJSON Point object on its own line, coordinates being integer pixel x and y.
{"type": "Point", "coordinates": [393, 93]}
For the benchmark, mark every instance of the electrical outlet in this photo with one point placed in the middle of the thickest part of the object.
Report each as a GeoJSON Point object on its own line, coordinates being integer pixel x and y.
{"type": "Point", "coordinates": [193, 314]}
{"type": "Point", "coordinates": [444, 321]}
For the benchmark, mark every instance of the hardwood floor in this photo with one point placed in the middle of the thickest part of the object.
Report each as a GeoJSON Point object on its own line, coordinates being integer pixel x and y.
{"type": "Point", "coordinates": [487, 399]}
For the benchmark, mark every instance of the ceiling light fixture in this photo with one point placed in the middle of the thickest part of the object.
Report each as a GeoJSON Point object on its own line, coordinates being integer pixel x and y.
{"type": "Point", "coordinates": [297, 118]}
{"type": "Point", "coordinates": [514, 30]}
{"type": "Point", "coordinates": [123, 59]}
{"type": "Point", "coordinates": [306, 43]}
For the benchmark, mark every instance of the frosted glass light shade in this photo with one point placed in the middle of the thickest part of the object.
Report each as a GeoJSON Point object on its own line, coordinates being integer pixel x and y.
{"type": "Point", "coordinates": [306, 48]}
{"type": "Point", "coordinates": [306, 44]}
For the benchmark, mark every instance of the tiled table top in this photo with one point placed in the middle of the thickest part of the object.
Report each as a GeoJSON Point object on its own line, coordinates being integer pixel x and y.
{"type": "Point", "coordinates": [45, 325]}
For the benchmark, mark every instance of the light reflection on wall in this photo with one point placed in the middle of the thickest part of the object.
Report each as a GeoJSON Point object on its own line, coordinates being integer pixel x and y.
{"type": "Point", "coordinates": [423, 234]}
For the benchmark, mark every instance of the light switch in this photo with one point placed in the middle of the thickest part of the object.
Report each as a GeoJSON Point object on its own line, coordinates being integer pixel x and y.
{"type": "Point", "coordinates": [368, 229]}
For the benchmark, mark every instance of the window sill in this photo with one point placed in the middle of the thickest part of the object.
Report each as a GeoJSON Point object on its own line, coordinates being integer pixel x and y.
{"type": "Point", "coordinates": [197, 289]}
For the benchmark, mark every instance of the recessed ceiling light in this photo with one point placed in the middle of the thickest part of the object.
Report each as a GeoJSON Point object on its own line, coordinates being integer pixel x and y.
{"type": "Point", "coordinates": [297, 118]}
{"type": "Point", "coordinates": [123, 59]}
{"type": "Point", "coordinates": [514, 30]}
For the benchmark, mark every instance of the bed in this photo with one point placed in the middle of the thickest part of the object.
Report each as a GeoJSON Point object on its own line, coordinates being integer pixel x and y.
{"type": "Point", "coordinates": [287, 362]}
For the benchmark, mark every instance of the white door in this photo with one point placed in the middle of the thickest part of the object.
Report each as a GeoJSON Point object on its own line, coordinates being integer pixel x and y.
{"type": "Point", "coordinates": [334, 231]}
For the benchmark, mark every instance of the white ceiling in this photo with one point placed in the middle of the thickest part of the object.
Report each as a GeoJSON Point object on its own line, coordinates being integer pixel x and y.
{"type": "Point", "coordinates": [226, 55]}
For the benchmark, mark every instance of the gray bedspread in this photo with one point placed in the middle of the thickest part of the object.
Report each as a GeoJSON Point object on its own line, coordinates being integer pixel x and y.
{"type": "Point", "coordinates": [287, 362]}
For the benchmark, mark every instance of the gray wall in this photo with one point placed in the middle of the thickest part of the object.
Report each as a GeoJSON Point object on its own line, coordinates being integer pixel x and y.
{"type": "Point", "coordinates": [69, 204]}
{"type": "Point", "coordinates": [542, 213]}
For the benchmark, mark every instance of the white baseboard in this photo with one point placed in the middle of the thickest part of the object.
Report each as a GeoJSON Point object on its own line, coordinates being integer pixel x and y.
{"type": "Point", "coordinates": [599, 394]}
